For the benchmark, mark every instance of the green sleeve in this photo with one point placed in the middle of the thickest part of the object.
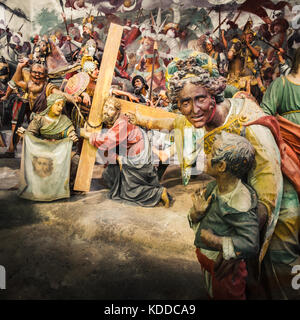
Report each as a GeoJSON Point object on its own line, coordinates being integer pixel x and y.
{"type": "Point", "coordinates": [246, 237]}
{"type": "Point", "coordinates": [35, 125]}
{"type": "Point", "coordinates": [273, 97]}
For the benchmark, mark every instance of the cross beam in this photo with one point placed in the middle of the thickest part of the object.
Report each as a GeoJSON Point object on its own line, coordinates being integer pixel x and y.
{"type": "Point", "coordinates": [151, 118]}
{"type": "Point", "coordinates": [88, 153]}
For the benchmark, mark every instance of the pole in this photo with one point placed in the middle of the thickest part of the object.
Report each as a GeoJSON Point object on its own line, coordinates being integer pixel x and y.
{"type": "Point", "coordinates": [269, 44]}
{"type": "Point", "coordinates": [10, 19]}
{"type": "Point", "coordinates": [7, 38]}
{"type": "Point", "coordinates": [237, 16]}
{"type": "Point", "coordinates": [211, 9]}
{"type": "Point", "coordinates": [65, 21]}
{"type": "Point", "coordinates": [220, 23]}
{"type": "Point", "coordinates": [152, 71]}
{"type": "Point", "coordinates": [219, 26]}
{"type": "Point", "coordinates": [21, 26]}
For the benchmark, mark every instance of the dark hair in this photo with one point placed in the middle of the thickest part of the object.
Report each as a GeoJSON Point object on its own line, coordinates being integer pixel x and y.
{"type": "Point", "coordinates": [142, 80]}
{"type": "Point", "coordinates": [236, 151]}
{"type": "Point", "coordinates": [296, 62]}
{"type": "Point", "coordinates": [266, 72]}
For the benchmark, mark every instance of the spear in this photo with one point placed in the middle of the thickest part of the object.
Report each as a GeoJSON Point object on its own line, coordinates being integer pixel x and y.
{"type": "Point", "coordinates": [157, 25]}
{"type": "Point", "coordinates": [153, 65]}
{"type": "Point", "coordinates": [220, 25]}
{"type": "Point", "coordinates": [228, 17]}
{"type": "Point", "coordinates": [204, 18]}
{"type": "Point", "coordinates": [65, 21]}
{"type": "Point", "coordinates": [21, 27]}
{"type": "Point", "coordinates": [219, 20]}
{"type": "Point", "coordinates": [211, 9]}
{"type": "Point", "coordinates": [271, 45]}
{"type": "Point", "coordinates": [237, 16]}
{"type": "Point", "coordinates": [10, 19]}
{"type": "Point", "coordinates": [7, 33]}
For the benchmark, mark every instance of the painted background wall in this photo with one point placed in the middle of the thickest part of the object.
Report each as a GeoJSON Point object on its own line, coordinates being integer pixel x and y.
{"type": "Point", "coordinates": [44, 16]}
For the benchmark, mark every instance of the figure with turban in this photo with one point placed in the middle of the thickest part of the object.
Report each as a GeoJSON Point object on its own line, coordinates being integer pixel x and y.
{"type": "Point", "coordinates": [47, 167]}
{"type": "Point", "coordinates": [51, 124]}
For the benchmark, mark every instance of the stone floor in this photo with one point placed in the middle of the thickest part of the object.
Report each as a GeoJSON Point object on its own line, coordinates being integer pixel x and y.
{"type": "Point", "coordinates": [90, 247]}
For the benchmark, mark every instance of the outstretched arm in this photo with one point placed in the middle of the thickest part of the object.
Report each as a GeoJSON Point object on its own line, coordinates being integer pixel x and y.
{"type": "Point", "coordinates": [125, 93]}
{"type": "Point", "coordinates": [225, 43]}
{"type": "Point", "coordinates": [149, 117]}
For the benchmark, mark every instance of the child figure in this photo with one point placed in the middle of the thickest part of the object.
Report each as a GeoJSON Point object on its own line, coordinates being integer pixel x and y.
{"type": "Point", "coordinates": [224, 218]}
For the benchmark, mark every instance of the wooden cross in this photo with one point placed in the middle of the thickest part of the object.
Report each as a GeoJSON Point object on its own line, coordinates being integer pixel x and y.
{"type": "Point", "coordinates": [151, 118]}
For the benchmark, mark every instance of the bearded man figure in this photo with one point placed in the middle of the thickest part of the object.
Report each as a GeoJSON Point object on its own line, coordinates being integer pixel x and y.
{"type": "Point", "coordinates": [130, 174]}
{"type": "Point", "coordinates": [36, 88]}
{"type": "Point", "coordinates": [145, 64]}
{"type": "Point", "coordinates": [140, 88]}
{"type": "Point", "coordinates": [197, 88]}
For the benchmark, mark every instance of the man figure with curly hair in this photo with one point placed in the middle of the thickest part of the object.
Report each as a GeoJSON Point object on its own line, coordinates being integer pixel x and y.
{"type": "Point", "coordinates": [197, 88]}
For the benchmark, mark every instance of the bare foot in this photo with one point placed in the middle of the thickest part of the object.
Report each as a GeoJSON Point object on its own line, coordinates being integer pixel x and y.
{"type": "Point", "coordinates": [165, 198]}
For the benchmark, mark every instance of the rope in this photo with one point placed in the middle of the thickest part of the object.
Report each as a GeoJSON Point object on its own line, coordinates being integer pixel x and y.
{"type": "Point", "coordinates": [86, 121]}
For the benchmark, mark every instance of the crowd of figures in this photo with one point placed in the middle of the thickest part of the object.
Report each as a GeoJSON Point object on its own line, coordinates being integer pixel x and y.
{"type": "Point", "coordinates": [235, 98]}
